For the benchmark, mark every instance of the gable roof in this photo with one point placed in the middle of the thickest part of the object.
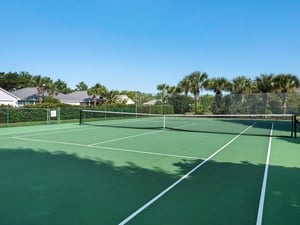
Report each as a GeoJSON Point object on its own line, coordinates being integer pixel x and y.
{"type": "Point", "coordinates": [6, 94]}
{"type": "Point", "coordinates": [151, 102]}
{"type": "Point", "coordinates": [29, 93]}
{"type": "Point", "coordinates": [79, 95]}
{"type": "Point", "coordinates": [74, 97]}
{"type": "Point", "coordinates": [124, 98]}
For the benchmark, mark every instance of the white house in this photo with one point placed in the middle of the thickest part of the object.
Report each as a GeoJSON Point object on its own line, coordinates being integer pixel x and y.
{"type": "Point", "coordinates": [7, 98]}
{"type": "Point", "coordinates": [152, 102]}
{"type": "Point", "coordinates": [76, 98]}
{"type": "Point", "coordinates": [124, 99]}
{"type": "Point", "coordinates": [27, 96]}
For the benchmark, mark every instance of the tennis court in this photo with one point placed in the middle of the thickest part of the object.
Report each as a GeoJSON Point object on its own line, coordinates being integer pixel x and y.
{"type": "Point", "coordinates": [101, 173]}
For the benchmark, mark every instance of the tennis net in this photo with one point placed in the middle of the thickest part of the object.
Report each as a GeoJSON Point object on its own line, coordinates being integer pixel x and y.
{"type": "Point", "coordinates": [282, 125]}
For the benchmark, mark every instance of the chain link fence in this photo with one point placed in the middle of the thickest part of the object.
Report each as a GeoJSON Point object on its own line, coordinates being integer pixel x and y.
{"type": "Point", "coordinates": [269, 103]}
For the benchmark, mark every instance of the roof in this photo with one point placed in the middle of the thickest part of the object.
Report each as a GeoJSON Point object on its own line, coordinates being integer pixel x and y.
{"type": "Point", "coordinates": [8, 93]}
{"type": "Point", "coordinates": [29, 93]}
{"type": "Point", "coordinates": [124, 98]}
{"type": "Point", "coordinates": [74, 97]}
{"type": "Point", "coordinates": [151, 102]}
{"type": "Point", "coordinates": [79, 95]}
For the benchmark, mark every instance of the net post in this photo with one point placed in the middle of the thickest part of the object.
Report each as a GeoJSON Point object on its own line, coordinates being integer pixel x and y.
{"type": "Point", "coordinates": [164, 121]}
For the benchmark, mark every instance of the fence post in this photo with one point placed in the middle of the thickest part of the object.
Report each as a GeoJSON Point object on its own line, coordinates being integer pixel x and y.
{"type": "Point", "coordinates": [48, 116]}
{"type": "Point", "coordinates": [58, 115]}
{"type": "Point", "coordinates": [7, 115]}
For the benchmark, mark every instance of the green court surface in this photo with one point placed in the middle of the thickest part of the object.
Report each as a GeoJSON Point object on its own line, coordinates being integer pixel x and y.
{"type": "Point", "coordinates": [86, 175]}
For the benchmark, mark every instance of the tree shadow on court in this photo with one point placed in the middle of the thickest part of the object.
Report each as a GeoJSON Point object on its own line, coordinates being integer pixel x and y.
{"type": "Point", "coordinates": [38, 187]}
{"type": "Point", "coordinates": [295, 141]}
{"type": "Point", "coordinates": [281, 129]}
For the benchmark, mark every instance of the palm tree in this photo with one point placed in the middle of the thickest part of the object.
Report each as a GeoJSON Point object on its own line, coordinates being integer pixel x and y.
{"type": "Point", "coordinates": [25, 80]}
{"type": "Point", "coordinates": [163, 88]}
{"type": "Point", "coordinates": [241, 85]}
{"type": "Point", "coordinates": [185, 85]}
{"type": "Point", "coordinates": [265, 85]}
{"type": "Point", "coordinates": [48, 85]}
{"type": "Point", "coordinates": [98, 89]}
{"type": "Point", "coordinates": [286, 83]}
{"type": "Point", "coordinates": [43, 84]}
{"type": "Point", "coordinates": [111, 96]}
{"type": "Point", "coordinates": [197, 80]}
{"type": "Point", "coordinates": [61, 86]}
{"type": "Point", "coordinates": [173, 90]}
{"type": "Point", "coordinates": [37, 80]}
{"type": "Point", "coordinates": [217, 85]}
{"type": "Point", "coordinates": [81, 86]}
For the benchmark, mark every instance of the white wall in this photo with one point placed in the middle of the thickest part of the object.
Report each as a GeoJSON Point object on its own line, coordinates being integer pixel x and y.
{"type": "Point", "coordinates": [6, 99]}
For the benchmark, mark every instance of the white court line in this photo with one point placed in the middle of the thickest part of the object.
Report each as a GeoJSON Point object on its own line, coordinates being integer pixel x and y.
{"type": "Point", "coordinates": [133, 136]}
{"type": "Point", "coordinates": [55, 131]}
{"type": "Point", "coordinates": [123, 138]}
{"type": "Point", "coordinates": [108, 148]}
{"type": "Point", "coordinates": [39, 132]}
{"type": "Point", "coordinates": [264, 185]}
{"type": "Point", "coordinates": [3, 138]}
{"type": "Point", "coordinates": [134, 214]}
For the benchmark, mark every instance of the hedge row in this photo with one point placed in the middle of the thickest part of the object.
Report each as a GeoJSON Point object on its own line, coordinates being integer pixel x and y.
{"type": "Point", "coordinates": [42, 112]}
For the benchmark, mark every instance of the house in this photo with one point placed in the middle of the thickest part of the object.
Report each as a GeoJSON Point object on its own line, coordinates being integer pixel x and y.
{"type": "Point", "coordinates": [152, 102]}
{"type": "Point", "coordinates": [123, 99]}
{"type": "Point", "coordinates": [7, 98]}
{"type": "Point", "coordinates": [31, 95]}
{"type": "Point", "coordinates": [77, 98]}
{"type": "Point", "coordinates": [28, 96]}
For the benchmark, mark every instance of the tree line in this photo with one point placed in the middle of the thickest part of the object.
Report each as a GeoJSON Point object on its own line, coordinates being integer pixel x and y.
{"type": "Point", "coordinates": [191, 84]}
{"type": "Point", "coordinates": [196, 81]}
{"type": "Point", "coordinates": [13, 81]}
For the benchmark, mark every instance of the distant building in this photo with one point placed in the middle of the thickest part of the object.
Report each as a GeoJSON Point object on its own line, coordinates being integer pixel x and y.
{"type": "Point", "coordinates": [123, 99]}
{"type": "Point", "coordinates": [28, 96]}
{"type": "Point", "coordinates": [31, 95]}
{"type": "Point", "coordinates": [7, 98]}
{"type": "Point", "coordinates": [76, 98]}
{"type": "Point", "coordinates": [152, 102]}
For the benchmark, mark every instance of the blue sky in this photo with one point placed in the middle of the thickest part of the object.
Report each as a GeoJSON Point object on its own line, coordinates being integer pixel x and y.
{"type": "Point", "coordinates": [138, 44]}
